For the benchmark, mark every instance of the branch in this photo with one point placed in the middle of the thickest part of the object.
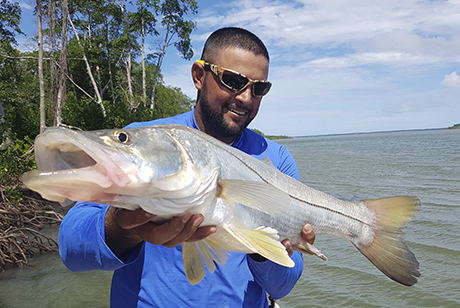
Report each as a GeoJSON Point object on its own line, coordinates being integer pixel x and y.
{"type": "Point", "coordinates": [24, 57]}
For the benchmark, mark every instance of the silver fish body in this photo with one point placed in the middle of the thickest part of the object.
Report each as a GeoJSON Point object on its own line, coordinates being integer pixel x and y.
{"type": "Point", "coordinates": [171, 169]}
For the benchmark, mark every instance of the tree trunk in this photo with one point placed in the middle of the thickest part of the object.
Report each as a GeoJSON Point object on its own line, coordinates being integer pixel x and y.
{"type": "Point", "coordinates": [40, 67]}
{"type": "Point", "coordinates": [62, 63]}
{"type": "Point", "coordinates": [109, 59]}
{"type": "Point", "coordinates": [129, 61]}
{"type": "Point", "coordinates": [53, 81]}
{"type": "Point", "coordinates": [144, 85]}
{"type": "Point", "coordinates": [157, 69]}
{"type": "Point", "coordinates": [88, 70]}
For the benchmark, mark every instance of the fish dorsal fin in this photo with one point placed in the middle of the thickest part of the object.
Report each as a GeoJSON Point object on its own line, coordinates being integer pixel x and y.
{"type": "Point", "coordinates": [258, 195]}
{"type": "Point", "coordinates": [196, 254]}
{"type": "Point", "coordinates": [267, 161]}
{"type": "Point", "coordinates": [263, 241]}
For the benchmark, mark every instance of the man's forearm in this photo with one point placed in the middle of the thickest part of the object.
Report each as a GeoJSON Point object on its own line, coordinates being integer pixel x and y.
{"type": "Point", "coordinates": [119, 240]}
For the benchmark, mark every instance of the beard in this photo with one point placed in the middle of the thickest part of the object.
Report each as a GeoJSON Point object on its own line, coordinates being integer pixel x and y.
{"type": "Point", "coordinates": [215, 119]}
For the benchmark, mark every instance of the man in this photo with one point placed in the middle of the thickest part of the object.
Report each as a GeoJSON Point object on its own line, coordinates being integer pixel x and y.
{"type": "Point", "coordinates": [147, 258]}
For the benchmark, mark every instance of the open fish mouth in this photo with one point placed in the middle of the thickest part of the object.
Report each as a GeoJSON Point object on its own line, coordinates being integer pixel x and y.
{"type": "Point", "coordinates": [69, 160]}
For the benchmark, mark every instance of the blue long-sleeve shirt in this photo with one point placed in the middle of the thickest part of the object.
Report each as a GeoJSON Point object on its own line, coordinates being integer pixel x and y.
{"type": "Point", "coordinates": [154, 276]}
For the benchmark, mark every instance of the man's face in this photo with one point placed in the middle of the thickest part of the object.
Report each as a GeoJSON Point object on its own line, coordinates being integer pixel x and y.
{"type": "Point", "coordinates": [224, 113]}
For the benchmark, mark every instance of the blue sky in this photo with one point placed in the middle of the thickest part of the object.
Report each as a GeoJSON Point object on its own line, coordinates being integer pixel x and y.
{"type": "Point", "coordinates": [340, 66]}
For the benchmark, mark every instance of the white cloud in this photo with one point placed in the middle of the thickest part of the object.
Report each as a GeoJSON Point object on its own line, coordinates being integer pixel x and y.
{"type": "Point", "coordinates": [405, 107]}
{"type": "Point", "coordinates": [451, 81]}
{"type": "Point", "coordinates": [26, 6]}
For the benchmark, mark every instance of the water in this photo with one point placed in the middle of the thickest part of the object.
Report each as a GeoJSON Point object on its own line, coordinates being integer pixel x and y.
{"type": "Point", "coordinates": [351, 167]}
{"type": "Point", "coordinates": [354, 167]}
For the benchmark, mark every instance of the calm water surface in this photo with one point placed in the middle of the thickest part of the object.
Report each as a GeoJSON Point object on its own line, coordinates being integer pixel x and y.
{"type": "Point", "coordinates": [351, 167]}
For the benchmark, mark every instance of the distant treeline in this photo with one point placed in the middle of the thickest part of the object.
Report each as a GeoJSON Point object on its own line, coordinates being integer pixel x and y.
{"type": "Point", "coordinates": [456, 126]}
{"type": "Point", "coordinates": [270, 137]}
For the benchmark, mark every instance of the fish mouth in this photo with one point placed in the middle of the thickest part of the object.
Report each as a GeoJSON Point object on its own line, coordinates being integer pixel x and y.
{"type": "Point", "coordinates": [71, 160]}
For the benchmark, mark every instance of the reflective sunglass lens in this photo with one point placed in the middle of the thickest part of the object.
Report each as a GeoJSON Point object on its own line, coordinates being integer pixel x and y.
{"type": "Point", "coordinates": [236, 82]}
{"type": "Point", "coordinates": [261, 88]}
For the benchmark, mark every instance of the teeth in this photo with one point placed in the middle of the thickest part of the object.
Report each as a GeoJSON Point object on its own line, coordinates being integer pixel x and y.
{"type": "Point", "coordinates": [238, 112]}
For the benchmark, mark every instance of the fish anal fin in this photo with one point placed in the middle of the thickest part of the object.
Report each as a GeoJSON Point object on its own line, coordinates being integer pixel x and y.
{"type": "Point", "coordinates": [263, 241]}
{"type": "Point", "coordinates": [388, 252]}
{"type": "Point", "coordinates": [307, 248]}
{"type": "Point", "coordinates": [258, 195]}
{"type": "Point", "coordinates": [196, 254]}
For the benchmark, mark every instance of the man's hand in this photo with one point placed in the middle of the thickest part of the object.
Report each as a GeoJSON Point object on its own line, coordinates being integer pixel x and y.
{"type": "Point", "coordinates": [125, 229]}
{"type": "Point", "coordinates": [308, 235]}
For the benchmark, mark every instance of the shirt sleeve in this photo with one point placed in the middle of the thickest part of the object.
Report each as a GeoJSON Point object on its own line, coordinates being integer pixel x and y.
{"type": "Point", "coordinates": [82, 245]}
{"type": "Point", "coordinates": [276, 279]}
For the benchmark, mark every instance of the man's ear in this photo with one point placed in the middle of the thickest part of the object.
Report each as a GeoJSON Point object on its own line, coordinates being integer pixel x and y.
{"type": "Point", "coordinates": [198, 75]}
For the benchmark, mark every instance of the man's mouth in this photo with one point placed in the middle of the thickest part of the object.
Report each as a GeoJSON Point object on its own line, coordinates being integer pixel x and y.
{"type": "Point", "coordinates": [237, 111]}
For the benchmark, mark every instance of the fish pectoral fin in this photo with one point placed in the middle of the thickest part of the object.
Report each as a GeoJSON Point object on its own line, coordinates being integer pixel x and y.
{"type": "Point", "coordinates": [263, 241]}
{"type": "Point", "coordinates": [307, 248]}
{"type": "Point", "coordinates": [258, 195]}
{"type": "Point", "coordinates": [196, 254]}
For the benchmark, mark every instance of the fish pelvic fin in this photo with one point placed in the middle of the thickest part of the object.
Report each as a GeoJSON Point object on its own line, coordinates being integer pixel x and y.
{"type": "Point", "coordinates": [258, 195]}
{"type": "Point", "coordinates": [307, 248]}
{"type": "Point", "coordinates": [263, 241]}
{"type": "Point", "coordinates": [196, 254]}
{"type": "Point", "coordinates": [388, 252]}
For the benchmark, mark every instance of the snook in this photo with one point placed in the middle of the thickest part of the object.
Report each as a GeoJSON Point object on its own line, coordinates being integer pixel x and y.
{"type": "Point", "coordinates": [171, 169]}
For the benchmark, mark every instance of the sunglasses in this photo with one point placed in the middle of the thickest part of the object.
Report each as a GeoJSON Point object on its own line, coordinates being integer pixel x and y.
{"type": "Point", "coordinates": [236, 81]}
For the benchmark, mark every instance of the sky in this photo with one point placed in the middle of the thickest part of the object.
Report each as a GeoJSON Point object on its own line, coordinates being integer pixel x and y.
{"type": "Point", "coordinates": [338, 66]}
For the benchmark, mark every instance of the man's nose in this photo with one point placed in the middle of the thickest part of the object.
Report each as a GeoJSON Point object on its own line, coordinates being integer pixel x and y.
{"type": "Point", "coordinates": [245, 96]}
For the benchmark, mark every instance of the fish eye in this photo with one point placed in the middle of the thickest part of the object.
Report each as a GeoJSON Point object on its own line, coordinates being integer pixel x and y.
{"type": "Point", "coordinates": [122, 136]}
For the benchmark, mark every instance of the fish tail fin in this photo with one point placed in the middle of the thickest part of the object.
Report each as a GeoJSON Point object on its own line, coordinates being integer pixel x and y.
{"type": "Point", "coordinates": [388, 252]}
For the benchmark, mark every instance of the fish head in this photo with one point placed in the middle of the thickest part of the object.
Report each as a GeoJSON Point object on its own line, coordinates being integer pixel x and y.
{"type": "Point", "coordinates": [97, 165]}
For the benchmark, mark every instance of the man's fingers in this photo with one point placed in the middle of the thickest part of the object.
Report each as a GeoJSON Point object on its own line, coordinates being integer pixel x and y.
{"type": "Point", "coordinates": [202, 233]}
{"type": "Point", "coordinates": [308, 234]}
{"type": "Point", "coordinates": [191, 225]}
{"type": "Point", "coordinates": [288, 246]}
{"type": "Point", "coordinates": [160, 234]}
{"type": "Point", "coordinates": [170, 234]}
{"type": "Point", "coordinates": [131, 219]}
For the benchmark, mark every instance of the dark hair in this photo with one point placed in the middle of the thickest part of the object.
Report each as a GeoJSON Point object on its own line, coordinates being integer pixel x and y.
{"type": "Point", "coordinates": [232, 37]}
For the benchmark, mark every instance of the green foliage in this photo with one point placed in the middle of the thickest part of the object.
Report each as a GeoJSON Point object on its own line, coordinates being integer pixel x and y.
{"type": "Point", "coordinates": [85, 114]}
{"type": "Point", "coordinates": [270, 137]}
{"type": "Point", "coordinates": [14, 196]}
{"type": "Point", "coordinates": [10, 17]}
{"type": "Point", "coordinates": [170, 101]}
{"type": "Point", "coordinates": [16, 160]}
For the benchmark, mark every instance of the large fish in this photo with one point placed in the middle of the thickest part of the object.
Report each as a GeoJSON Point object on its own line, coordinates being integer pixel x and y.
{"type": "Point", "coordinates": [168, 170]}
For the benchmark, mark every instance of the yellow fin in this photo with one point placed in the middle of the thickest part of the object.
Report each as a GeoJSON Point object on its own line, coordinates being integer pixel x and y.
{"type": "Point", "coordinates": [196, 254]}
{"type": "Point", "coordinates": [193, 265]}
{"type": "Point", "coordinates": [388, 252]}
{"type": "Point", "coordinates": [258, 195]}
{"type": "Point", "coordinates": [263, 241]}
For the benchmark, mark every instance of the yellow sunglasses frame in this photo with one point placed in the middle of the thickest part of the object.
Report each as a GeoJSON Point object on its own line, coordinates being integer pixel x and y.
{"type": "Point", "coordinates": [219, 72]}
